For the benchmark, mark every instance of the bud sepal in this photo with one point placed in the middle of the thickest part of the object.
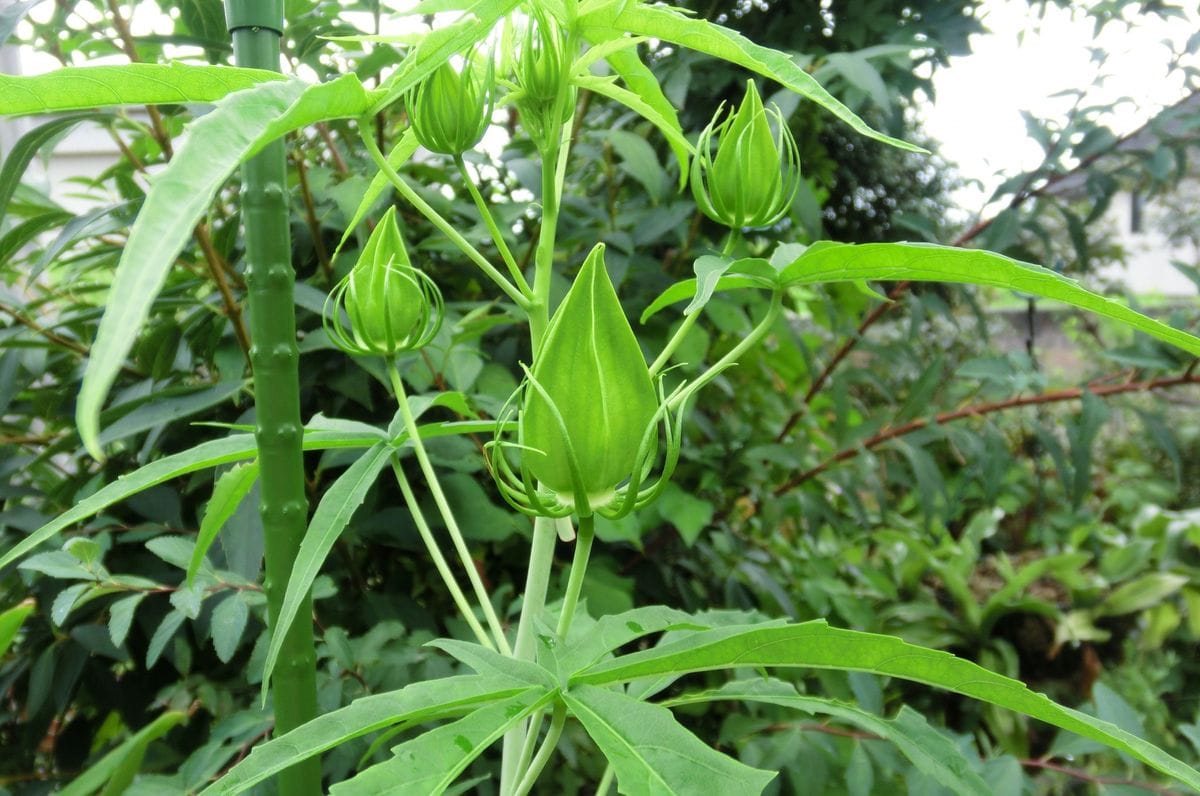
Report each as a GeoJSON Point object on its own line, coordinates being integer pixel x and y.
{"type": "Point", "coordinates": [390, 305]}
{"type": "Point", "coordinates": [755, 173]}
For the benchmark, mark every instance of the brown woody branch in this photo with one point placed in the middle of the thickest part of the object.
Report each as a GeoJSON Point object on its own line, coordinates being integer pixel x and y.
{"type": "Point", "coordinates": [979, 410]}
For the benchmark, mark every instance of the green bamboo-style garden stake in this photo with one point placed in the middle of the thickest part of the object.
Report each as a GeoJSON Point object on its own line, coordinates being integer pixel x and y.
{"type": "Point", "coordinates": [256, 26]}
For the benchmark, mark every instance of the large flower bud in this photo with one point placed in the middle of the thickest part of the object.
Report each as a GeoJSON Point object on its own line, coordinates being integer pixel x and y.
{"type": "Point", "coordinates": [755, 175]}
{"type": "Point", "coordinates": [450, 110]}
{"type": "Point", "coordinates": [591, 398]}
{"type": "Point", "coordinates": [392, 306]}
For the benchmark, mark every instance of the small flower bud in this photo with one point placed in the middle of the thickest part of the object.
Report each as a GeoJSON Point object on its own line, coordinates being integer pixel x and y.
{"type": "Point", "coordinates": [756, 173]}
{"type": "Point", "coordinates": [592, 398]}
{"type": "Point", "coordinates": [392, 306]}
{"type": "Point", "coordinates": [539, 75]}
{"type": "Point", "coordinates": [450, 110]}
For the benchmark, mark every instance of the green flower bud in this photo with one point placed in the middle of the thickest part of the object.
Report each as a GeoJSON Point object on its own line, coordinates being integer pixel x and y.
{"type": "Point", "coordinates": [451, 110]}
{"type": "Point", "coordinates": [591, 401]}
{"type": "Point", "coordinates": [539, 74]}
{"type": "Point", "coordinates": [392, 306]}
{"type": "Point", "coordinates": [755, 175]}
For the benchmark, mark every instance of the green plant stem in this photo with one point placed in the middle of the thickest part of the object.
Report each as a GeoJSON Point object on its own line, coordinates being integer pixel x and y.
{"type": "Point", "coordinates": [606, 781]}
{"type": "Point", "coordinates": [583, 549]}
{"type": "Point", "coordinates": [493, 229]}
{"type": "Point", "coordinates": [533, 603]}
{"type": "Point", "coordinates": [731, 358]}
{"type": "Point", "coordinates": [443, 505]}
{"type": "Point", "coordinates": [549, 743]}
{"type": "Point", "coordinates": [676, 339]}
{"type": "Point", "coordinates": [439, 560]}
{"type": "Point", "coordinates": [435, 218]}
{"type": "Point", "coordinates": [275, 359]}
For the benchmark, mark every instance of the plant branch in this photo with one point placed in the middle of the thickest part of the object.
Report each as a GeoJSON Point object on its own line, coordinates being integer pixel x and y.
{"type": "Point", "coordinates": [443, 505]}
{"type": "Point", "coordinates": [979, 410]}
{"type": "Point", "coordinates": [310, 218]}
{"type": "Point", "coordinates": [435, 218]}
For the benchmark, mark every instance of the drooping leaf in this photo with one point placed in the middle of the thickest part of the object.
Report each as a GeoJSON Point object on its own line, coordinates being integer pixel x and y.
{"type": "Point", "coordinates": [817, 645]}
{"type": "Point", "coordinates": [930, 751]}
{"type": "Point", "coordinates": [11, 621]}
{"type": "Point", "coordinates": [239, 126]}
{"type": "Point", "coordinates": [27, 147]}
{"type": "Point", "coordinates": [667, 24]}
{"type": "Point", "coordinates": [79, 87]}
{"type": "Point", "coordinates": [432, 761]}
{"type": "Point", "coordinates": [115, 771]}
{"type": "Point", "coordinates": [422, 701]}
{"type": "Point", "coordinates": [922, 262]}
{"type": "Point", "coordinates": [652, 753]}
{"type": "Point", "coordinates": [488, 662]}
{"type": "Point", "coordinates": [641, 81]}
{"type": "Point", "coordinates": [337, 506]}
{"type": "Point", "coordinates": [228, 492]}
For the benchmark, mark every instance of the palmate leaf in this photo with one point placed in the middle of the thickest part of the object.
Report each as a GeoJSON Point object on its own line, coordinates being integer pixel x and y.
{"type": "Point", "coordinates": [426, 701]}
{"type": "Point", "coordinates": [669, 25]}
{"type": "Point", "coordinates": [239, 126]}
{"type": "Point", "coordinates": [429, 763]}
{"type": "Point", "coordinates": [930, 751]}
{"type": "Point", "coordinates": [337, 506]}
{"type": "Point", "coordinates": [652, 753]}
{"type": "Point", "coordinates": [80, 87]}
{"type": "Point", "coordinates": [817, 645]}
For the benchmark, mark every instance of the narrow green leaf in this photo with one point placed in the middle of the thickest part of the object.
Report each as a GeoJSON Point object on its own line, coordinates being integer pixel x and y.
{"type": "Point", "coordinates": [80, 87]}
{"type": "Point", "coordinates": [922, 262]}
{"type": "Point", "coordinates": [163, 633]}
{"type": "Point", "coordinates": [817, 645]}
{"type": "Point", "coordinates": [115, 771]}
{"type": "Point", "coordinates": [639, 161]}
{"type": "Point", "coordinates": [228, 624]}
{"type": "Point", "coordinates": [642, 82]}
{"type": "Point", "coordinates": [652, 753]}
{"type": "Point", "coordinates": [432, 761]}
{"type": "Point", "coordinates": [337, 506]}
{"type": "Point", "coordinates": [422, 701]}
{"type": "Point", "coordinates": [239, 126]}
{"type": "Point", "coordinates": [606, 87]}
{"type": "Point", "coordinates": [488, 662]}
{"type": "Point", "coordinates": [616, 630]}
{"type": "Point", "coordinates": [399, 155]}
{"type": "Point", "coordinates": [11, 621]}
{"type": "Point", "coordinates": [10, 17]}
{"type": "Point", "coordinates": [25, 232]}
{"type": "Point", "coordinates": [229, 491]}
{"type": "Point", "coordinates": [212, 454]}
{"type": "Point", "coordinates": [120, 617]}
{"type": "Point", "coordinates": [26, 147]}
{"type": "Point", "coordinates": [667, 24]}
{"type": "Point", "coordinates": [155, 413]}
{"type": "Point", "coordinates": [930, 751]}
